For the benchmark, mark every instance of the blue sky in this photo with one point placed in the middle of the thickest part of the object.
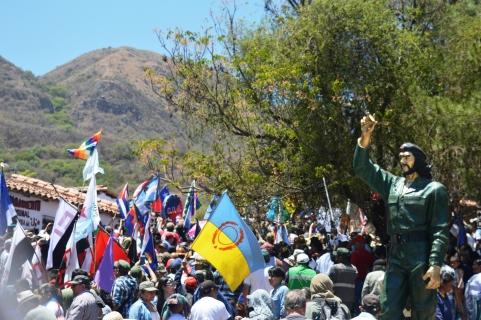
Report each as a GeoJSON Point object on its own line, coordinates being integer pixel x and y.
{"type": "Point", "coordinates": [38, 35]}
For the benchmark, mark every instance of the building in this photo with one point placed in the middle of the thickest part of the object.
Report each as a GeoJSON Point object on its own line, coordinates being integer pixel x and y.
{"type": "Point", "coordinates": [36, 201]}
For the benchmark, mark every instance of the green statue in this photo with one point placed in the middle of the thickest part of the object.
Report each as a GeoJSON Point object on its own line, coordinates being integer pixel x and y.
{"type": "Point", "coordinates": [417, 225]}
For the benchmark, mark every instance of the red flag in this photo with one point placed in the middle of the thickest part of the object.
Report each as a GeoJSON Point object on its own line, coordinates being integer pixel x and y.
{"type": "Point", "coordinates": [101, 245]}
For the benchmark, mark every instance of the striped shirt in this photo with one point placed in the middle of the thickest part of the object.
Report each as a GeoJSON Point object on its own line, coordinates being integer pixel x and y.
{"type": "Point", "coordinates": [343, 277]}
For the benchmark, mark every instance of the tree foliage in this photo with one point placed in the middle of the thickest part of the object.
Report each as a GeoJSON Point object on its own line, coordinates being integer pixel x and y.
{"type": "Point", "coordinates": [283, 101]}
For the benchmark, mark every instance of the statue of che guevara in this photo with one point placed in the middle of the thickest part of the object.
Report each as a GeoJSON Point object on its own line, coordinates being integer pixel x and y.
{"type": "Point", "coordinates": [417, 225]}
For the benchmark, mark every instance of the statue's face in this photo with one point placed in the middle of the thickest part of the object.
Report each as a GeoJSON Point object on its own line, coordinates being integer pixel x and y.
{"type": "Point", "coordinates": [406, 159]}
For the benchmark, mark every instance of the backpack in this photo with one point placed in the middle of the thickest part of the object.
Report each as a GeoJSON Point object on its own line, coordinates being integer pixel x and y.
{"type": "Point", "coordinates": [328, 310]}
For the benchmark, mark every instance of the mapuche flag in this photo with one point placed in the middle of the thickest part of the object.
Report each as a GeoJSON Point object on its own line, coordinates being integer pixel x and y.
{"type": "Point", "coordinates": [226, 241]}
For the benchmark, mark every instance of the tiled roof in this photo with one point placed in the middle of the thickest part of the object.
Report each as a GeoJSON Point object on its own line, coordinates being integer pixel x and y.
{"type": "Point", "coordinates": [48, 191]}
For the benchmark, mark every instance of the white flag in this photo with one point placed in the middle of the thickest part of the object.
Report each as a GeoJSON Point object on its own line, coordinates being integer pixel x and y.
{"type": "Point", "coordinates": [18, 236]}
{"type": "Point", "coordinates": [92, 166]}
{"type": "Point", "coordinates": [89, 218]}
{"type": "Point", "coordinates": [38, 268]}
{"type": "Point", "coordinates": [64, 216]}
{"type": "Point", "coordinates": [70, 257]}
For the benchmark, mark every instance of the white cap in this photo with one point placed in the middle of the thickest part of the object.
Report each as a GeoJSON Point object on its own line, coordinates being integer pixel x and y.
{"type": "Point", "coordinates": [302, 258]}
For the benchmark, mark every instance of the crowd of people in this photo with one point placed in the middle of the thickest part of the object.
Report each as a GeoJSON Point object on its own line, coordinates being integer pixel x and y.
{"type": "Point", "coordinates": [318, 275]}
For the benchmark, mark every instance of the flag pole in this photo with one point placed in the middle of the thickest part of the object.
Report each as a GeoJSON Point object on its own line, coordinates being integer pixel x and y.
{"type": "Point", "coordinates": [328, 200]}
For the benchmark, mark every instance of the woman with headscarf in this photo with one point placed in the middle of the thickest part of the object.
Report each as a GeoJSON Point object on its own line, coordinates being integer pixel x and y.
{"type": "Point", "coordinates": [324, 304]}
{"type": "Point", "coordinates": [261, 304]}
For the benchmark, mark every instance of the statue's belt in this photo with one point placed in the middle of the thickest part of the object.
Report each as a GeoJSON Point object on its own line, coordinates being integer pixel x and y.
{"type": "Point", "coordinates": [413, 236]}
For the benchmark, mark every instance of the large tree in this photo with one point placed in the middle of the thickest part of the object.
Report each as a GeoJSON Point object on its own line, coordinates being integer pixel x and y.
{"type": "Point", "coordinates": [281, 102]}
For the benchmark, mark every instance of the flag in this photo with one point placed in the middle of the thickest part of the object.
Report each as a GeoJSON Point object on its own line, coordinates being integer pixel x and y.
{"type": "Point", "coordinates": [92, 166]}
{"type": "Point", "coordinates": [62, 227]}
{"type": "Point", "coordinates": [101, 242]}
{"type": "Point", "coordinates": [89, 218]}
{"type": "Point", "coordinates": [86, 149]}
{"type": "Point", "coordinates": [123, 201]}
{"type": "Point", "coordinates": [21, 251]}
{"type": "Point", "coordinates": [276, 211]}
{"type": "Point", "coordinates": [228, 243]}
{"type": "Point", "coordinates": [144, 197]}
{"type": "Point", "coordinates": [211, 207]}
{"type": "Point", "coordinates": [282, 235]}
{"type": "Point", "coordinates": [135, 221]}
{"type": "Point", "coordinates": [85, 253]}
{"type": "Point", "coordinates": [70, 258]}
{"type": "Point", "coordinates": [37, 266]}
{"type": "Point", "coordinates": [173, 207]}
{"type": "Point", "coordinates": [148, 247]}
{"type": "Point", "coordinates": [191, 205]}
{"type": "Point", "coordinates": [104, 277]}
{"type": "Point", "coordinates": [157, 205]}
{"type": "Point", "coordinates": [7, 211]}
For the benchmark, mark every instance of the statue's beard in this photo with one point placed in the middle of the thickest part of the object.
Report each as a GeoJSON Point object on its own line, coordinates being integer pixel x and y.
{"type": "Point", "coordinates": [408, 171]}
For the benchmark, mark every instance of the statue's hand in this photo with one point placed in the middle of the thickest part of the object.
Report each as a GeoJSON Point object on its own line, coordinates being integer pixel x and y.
{"type": "Point", "coordinates": [434, 276]}
{"type": "Point", "coordinates": [368, 123]}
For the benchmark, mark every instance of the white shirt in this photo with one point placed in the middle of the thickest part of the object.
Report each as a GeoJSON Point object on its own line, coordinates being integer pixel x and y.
{"type": "Point", "coordinates": [364, 316]}
{"type": "Point", "coordinates": [473, 287]}
{"type": "Point", "coordinates": [324, 263]}
{"type": "Point", "coordinates": [209, 308]}
{"type": "Point", "coordinates": [259, 279]}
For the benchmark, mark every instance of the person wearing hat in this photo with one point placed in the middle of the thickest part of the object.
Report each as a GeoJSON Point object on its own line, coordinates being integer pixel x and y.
{"type": "Point", "coordinates": [300, 276]}
{"type": "Point", "coordinates": [84, 305]}
{"type": "Point", "coordinates": [370, 308]}
{"type": "Point", "coordinates": [30, 308]}
{"type": "Point", "coordinates": [417, 224]}
{"type": "Point", "coordinates": [124, 289]}
{"type": "Point", "coordinates": [143, 308]}
{"type": "Point", "coordinates": [343, 275]}
{"type": "Point", "coordinates": [166, 287]}
{"type": "Point", "coordinates": [190, 285]}
{"type": "Point", "coordinates": [208, 307]}
{"type": "Point", "coordinates": [176, 307]}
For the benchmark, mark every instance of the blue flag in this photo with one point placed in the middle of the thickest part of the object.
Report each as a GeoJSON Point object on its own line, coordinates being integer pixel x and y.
{"type": "Point", "coordinates": [148, 247]}
{"type": "Point", "coordinates": [7, 211]}
{"type": "Point", "coordinates": [192, 204]}
{"type": "Point", "coordinates": [211, 207]}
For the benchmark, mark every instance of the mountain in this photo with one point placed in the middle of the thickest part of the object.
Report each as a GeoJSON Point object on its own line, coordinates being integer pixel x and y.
{"type": "Point", "coordinates": [108, 89]}
{"type": "Point", "coordinates": [40, 117]}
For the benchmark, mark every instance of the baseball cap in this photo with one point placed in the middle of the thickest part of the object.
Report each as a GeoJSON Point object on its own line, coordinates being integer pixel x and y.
{"type": "Point", "coordinates": [174, 264]}
{"type": "Point", "coordinates": [190, 282]}
{"type": "Point", "coordinates": [302, 258]}
{"type": "Point", "coordinates": [122, 265]}
{"type": "Point", "coordinates": [80, 279]}
{"type": "Point", "coordinates": [147, 286]}
{"type": "Point", "coordinates": [24, 296]}
{"type": "Point", "coordinates": [341, 251]}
